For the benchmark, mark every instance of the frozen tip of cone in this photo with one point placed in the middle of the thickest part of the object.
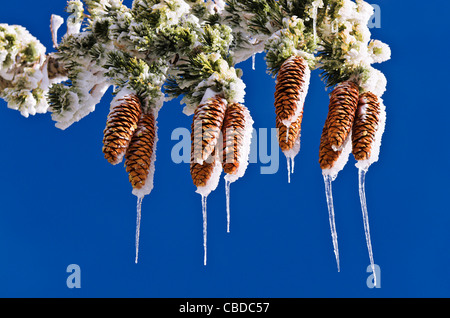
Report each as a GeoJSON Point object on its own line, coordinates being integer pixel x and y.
{"type": "Point", "coordinates": [289, 135]}
{"type": "Point", "coordinates": [206, 177]}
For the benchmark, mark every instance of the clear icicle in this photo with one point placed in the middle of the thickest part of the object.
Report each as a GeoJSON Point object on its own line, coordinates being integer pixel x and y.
{"type": "Point", "coordinates": [329, 193]}
{"type": "Point", "coordinates": [362, 196]}
{"type": "Point", "coordinates": [288, 159]}
{"type": "Point", "coordinates": [227, 193]}
{"type": "Point", "coordinates": [204, 227]}
{"type": "Point", "coordinates": [138, 226]}
{"type": "Point", "coordinates": [253, 61]}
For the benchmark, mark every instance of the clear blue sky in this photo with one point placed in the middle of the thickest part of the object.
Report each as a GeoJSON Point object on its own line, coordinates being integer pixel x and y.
{"type": "Point", "coordinates": [62, 203]}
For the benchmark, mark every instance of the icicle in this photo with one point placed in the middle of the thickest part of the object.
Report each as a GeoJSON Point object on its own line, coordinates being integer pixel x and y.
{"type": "Point", "coordinates": [288, 159]}
{"type": "Point", "coordinates": [138, 226]}
{"type": "Point", "coordinates": [227, 193]}
{"type": "Point", "coordinates": [292, 164]}
{"type": "Point", "coordinates": [204, 197]}
{"type": "Point", "coordinates": [362, 196]}
{"type": "Point", "coordinates": [253, 61]}
{"type": "Point", "coordinates": [329, 193]}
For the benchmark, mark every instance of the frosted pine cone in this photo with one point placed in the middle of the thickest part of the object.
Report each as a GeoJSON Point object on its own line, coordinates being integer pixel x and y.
{"type": "Point", "coordinates": [365, 125]}
{"type": "Point", "coordinates": [202, 173]}
{"type": "Point", "coordinates": [206, 127]}
{"type": "Point", "coordinates": [138, 158]}
{"type": "Point", "coordinates": [233, 131]}
{"type": "Point", "coordinates": [120, 126]}
{"type": "Point", "coordinates": [327, 156]}
{"type": "Point", "coordinates": [288, 135]}
{"type": "Point", "coordinates": [341, 113]}
{"type": "Point", "coordinates": [291, 89]}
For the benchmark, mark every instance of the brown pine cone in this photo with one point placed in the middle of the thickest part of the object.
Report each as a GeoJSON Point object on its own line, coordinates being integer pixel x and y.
{"type": "Point", "coordinates": [341, 113]}
{"type": "Point", "coordinates": [55, 67]}
{"type": "Point", "coordinates": [201, 173]}
{"type": "Point", "coordinates": [138, 157]}
{"type": "Point", "coordinates": [206, 127]}
{"type": "Point", "coordinates": [327, 156]}
{"type": "Point", "coordinates": [291, 88]}
{"type": "Point", "coordinates": [365, 125]}
{"type": "Point", "coordinates": [233, 137]}
{"type": "Point", "coordinates": [287, 136]}
{"type": "Point", "coordinates": [120, 126]}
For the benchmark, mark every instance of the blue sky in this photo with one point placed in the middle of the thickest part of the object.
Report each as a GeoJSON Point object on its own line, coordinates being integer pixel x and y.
{"type": "Point", "coordinates": [62, 203]}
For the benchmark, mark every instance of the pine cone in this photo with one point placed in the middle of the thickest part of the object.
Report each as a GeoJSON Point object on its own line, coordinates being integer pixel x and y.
{"type": "Point", "coordinates": [327, 156]}
{"type": "Point", "coordinates": [233, 137]}
{"type": "Point", "coordinates": [201, 173]}
{"type": "Point", "coordinates": [365, 125]}
{"type": "Point", "coordinates": [291, 89]}
{"type": "Point", "coordinates": [287, 136]}
{"type": "Point", "coordinates": [138, 157]}
{"type": "Point", "coordinates": [206, 127]}
{"type": "Point", "coordinates": [120, 126]}
{"type": "Point", "coordinates": [55, 67]}
{"type": "Point", "coordinates": [341, 113]}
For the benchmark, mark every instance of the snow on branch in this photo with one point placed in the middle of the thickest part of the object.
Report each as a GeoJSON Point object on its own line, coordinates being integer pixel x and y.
{"type": "Point", "coordinates": [164, 49]}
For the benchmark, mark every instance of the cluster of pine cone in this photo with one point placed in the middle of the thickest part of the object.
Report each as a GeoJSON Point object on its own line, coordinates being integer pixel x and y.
{"type": "Point", "coordinates": [130, 132]}
{"type": "Point", "coordinates": [349, 112]}
{"type": "Point", "coordinates": [217, 133]}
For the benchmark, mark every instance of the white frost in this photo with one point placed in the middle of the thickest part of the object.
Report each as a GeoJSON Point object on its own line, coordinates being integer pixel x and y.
{"type": "Point", "coordinates": [55, 23]}
{"type": "Point", "coordinates": [341, 161]}
{"type": "Point", "coordinates": [213, 181]}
